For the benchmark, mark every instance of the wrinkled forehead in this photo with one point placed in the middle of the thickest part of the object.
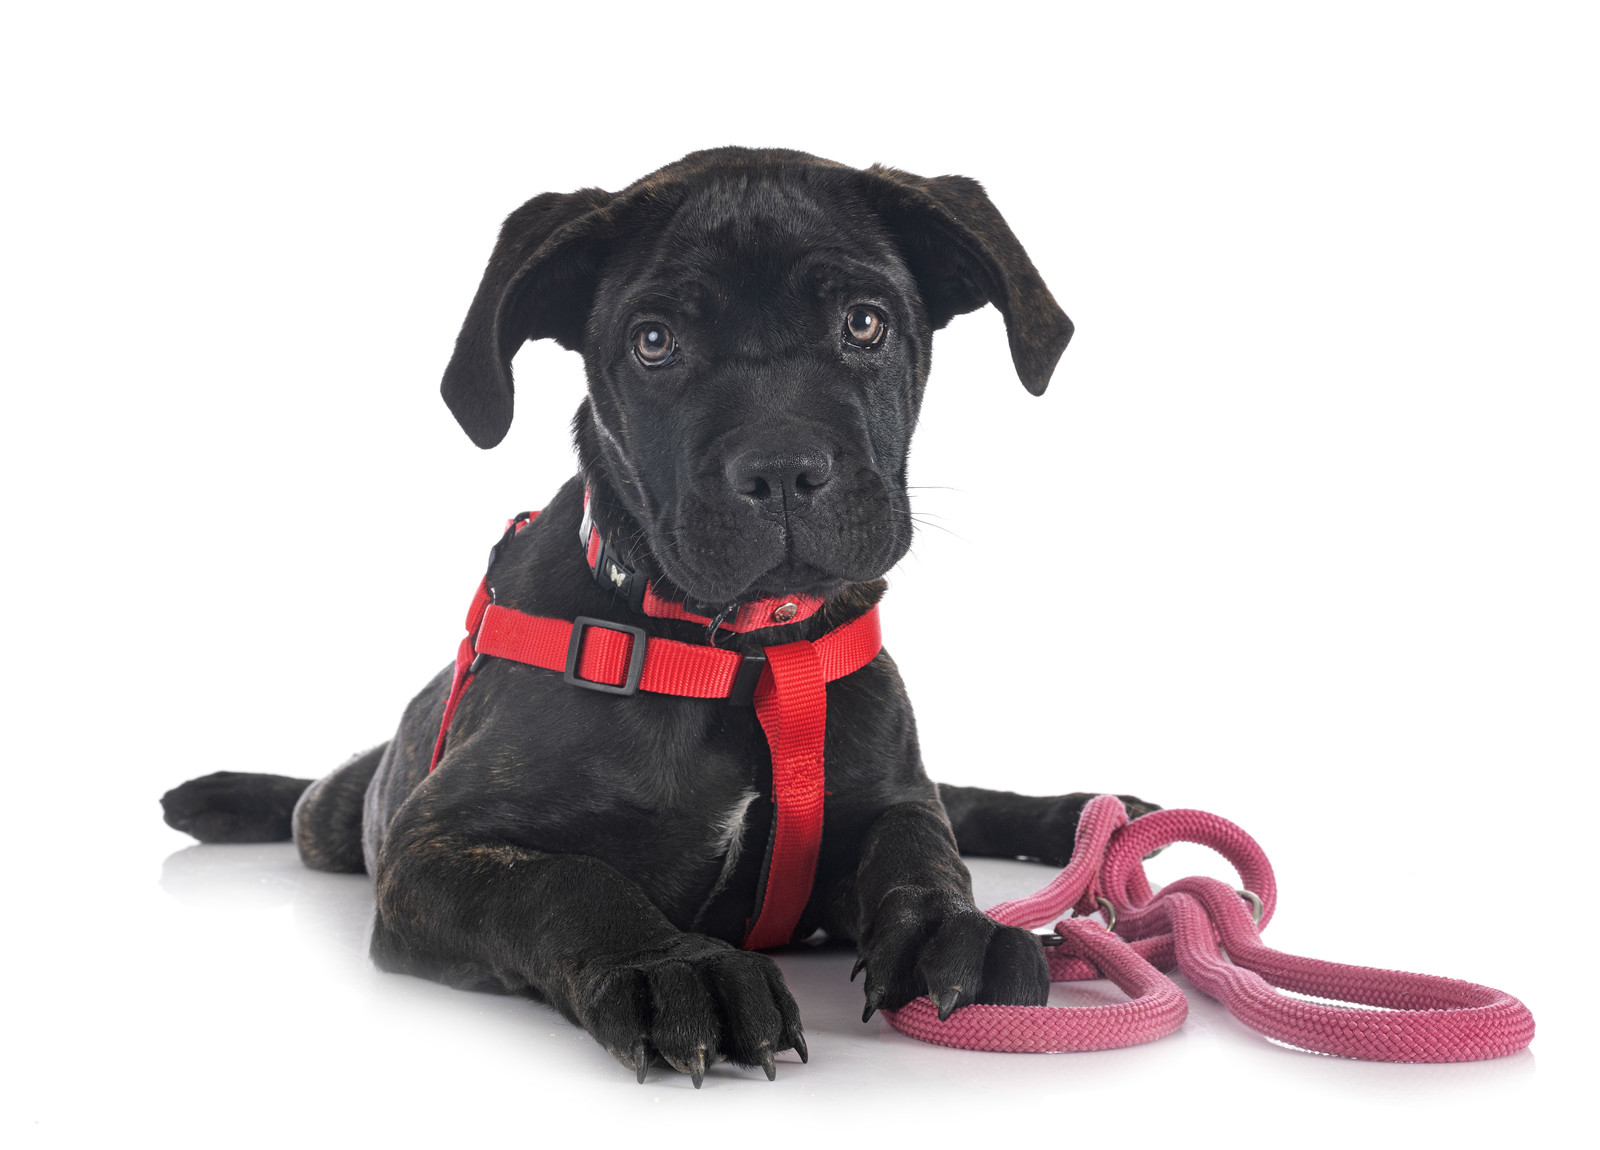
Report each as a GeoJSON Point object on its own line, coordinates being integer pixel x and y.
{"type": "Point", "coordinates": [747, 209]}
{"type": "Point", "coordinates": [749, 244]}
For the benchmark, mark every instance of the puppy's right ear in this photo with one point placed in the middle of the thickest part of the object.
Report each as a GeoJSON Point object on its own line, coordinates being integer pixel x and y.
{"type": "Point", "coordinates": [539, 284]}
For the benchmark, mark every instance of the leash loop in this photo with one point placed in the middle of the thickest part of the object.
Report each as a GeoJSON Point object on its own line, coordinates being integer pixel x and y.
{"type": "Point", "coordinates": [1212, 932]}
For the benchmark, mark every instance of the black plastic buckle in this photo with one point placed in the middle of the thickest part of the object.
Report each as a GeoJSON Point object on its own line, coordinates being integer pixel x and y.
{"type": "Point", "coordinates": [630, 684]}
{"type": "Point", "coordinates": [478, 656]}
{"type": "Point", "coordinates": [743, 693]}
{"type": "Point", "coordinates": [613, 575]}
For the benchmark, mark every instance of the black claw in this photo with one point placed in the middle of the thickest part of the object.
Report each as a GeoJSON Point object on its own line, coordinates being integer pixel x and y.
{"type": "Point", "coordinates": [641, 1060]}
{"type": "Point", "coordinates": [946, 1002]}
{"type": "Point", "coordinates": [697, 1067]}
{"type": "Point", "coordinates": [800, 1047]}
{"type": "Point", "coordinates": [874, 997]}
{"type": "Point", "coordinates": [768, 1065]}
{"type": "Point", "coordinates": [856, 969]}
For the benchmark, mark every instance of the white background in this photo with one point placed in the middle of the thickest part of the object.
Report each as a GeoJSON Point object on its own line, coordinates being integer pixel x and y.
{"type": "Point", "coordinates": [1303, 533]}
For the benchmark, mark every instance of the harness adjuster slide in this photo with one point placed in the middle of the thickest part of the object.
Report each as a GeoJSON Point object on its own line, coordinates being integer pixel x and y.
{"type": "Point", "coordinates": [743, 692]}
{"type": "Point", "coordinates": [479, 656]}
{"type": "Point", "coordinates": [630, 683]}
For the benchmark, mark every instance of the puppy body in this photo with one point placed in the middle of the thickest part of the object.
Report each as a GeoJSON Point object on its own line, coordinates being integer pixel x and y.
{"type": "Point", "coordinates": [604, 854]}
{"type": "Point", "coordinates": [648, 785]}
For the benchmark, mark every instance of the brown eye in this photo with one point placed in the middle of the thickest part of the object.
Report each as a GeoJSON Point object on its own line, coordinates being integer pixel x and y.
{"type": "Point", "coordinates": [653, 344]}
{"type": "Point", "coordinates": [863, 326]}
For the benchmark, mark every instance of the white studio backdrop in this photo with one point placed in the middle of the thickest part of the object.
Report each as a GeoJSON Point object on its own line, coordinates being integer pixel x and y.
{"type": "Point", "coordinates": [1304, 531]}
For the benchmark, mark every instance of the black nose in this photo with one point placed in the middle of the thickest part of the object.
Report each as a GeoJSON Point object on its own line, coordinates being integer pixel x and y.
{"type": "Point", "coordinates": [780, 478]}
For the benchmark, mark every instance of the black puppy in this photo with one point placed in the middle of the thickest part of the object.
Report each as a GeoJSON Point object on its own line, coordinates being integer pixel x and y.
{"type": "Point", "coordinates": [755, 326]}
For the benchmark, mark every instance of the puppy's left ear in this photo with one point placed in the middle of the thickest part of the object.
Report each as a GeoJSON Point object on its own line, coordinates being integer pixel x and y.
{"type": "Point", "coordinates": [539, 284]}
{"type": "Point", "coordinates": [964, 255]}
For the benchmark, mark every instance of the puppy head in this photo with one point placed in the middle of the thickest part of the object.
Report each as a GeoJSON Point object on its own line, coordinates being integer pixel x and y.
{"type": "Point", "coordinates": [755, 326]}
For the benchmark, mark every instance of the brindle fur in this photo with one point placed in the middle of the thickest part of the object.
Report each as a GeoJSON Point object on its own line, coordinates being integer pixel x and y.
{"type": "Point", "coordinates": [602, 854]}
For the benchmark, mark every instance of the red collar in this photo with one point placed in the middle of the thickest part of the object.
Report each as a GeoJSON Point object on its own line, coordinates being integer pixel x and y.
{"type": "Point", "coordinates": [614, 574]}
{"type": "Point", "coordinates": [785, 683]}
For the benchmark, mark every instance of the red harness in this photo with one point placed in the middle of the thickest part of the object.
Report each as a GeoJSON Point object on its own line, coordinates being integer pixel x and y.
{"type": "Point", "coordinates": [786, 683]}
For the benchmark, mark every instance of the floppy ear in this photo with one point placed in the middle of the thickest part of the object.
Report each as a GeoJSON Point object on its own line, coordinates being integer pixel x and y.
{"type": "Point", "coordinates": [539, 284]}
{"type": "Point", "coordinates": [964, 255]}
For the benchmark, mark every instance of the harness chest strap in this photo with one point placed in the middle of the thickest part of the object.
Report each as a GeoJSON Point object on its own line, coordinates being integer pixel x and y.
{"type": "Point", "coordinates": [786, 684]}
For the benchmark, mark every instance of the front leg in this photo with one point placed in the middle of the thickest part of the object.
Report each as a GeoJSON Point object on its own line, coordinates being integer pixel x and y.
{"type": "Point", "coordinates": [574, 932]}
{"type": "Point", "coordinates": [1001, 824]}
{"type": "Point", "coordinates": [919, 931]}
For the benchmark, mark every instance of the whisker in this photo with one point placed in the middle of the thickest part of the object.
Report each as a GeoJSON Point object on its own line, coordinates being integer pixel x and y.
{"type": "Point", "coordinates": [920, 521]}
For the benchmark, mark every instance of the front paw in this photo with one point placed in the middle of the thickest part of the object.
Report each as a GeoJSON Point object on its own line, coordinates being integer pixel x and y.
{"type": "Point", "coordinates": [923, 941]}
{"type": "Point", "coordinates": [692, 1003]}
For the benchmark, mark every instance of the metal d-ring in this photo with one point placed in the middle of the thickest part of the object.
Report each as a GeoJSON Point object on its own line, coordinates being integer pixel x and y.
{"type": "Point", "coordinates": [1110, 911]}
{"type": "Point", "coordinates": [1257, 907]}
{"type": "Point", "coordinates": [1111, 921]}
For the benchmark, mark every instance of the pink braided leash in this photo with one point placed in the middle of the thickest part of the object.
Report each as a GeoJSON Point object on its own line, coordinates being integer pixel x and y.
{"type": "Point", "coordinates": [1206, 930]}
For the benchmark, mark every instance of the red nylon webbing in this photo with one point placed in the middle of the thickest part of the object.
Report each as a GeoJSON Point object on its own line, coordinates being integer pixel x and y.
{"type": "Point", "coordinates": [462, 676]}
{"type": "Point", "coordinates": [670, 667]}
{"type": "Point", "coordinates": [750, 616]}
{"type": "Point", "coordinates": [792, 703]}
